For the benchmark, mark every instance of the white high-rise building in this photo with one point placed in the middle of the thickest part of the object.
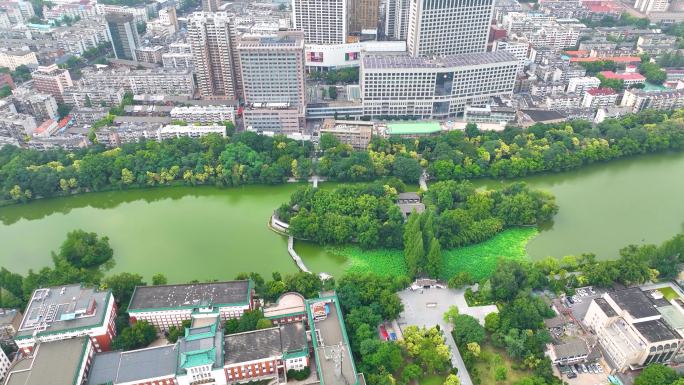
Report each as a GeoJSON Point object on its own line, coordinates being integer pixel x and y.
{"type": "Point", "coordinates": [322, 21]}
{"type": "Point", "coordinates": [648, 6]}
{"type": "Point", "coordinates": [433, 88]}
{"type": "Point", "coordinates": [4, 364]}
{"type": "Point", "coordinates": [396, 19]}
{"type": "Point", "coordinates": [212, 41]}
{"type": "Point", "coordinates": [448, 27]}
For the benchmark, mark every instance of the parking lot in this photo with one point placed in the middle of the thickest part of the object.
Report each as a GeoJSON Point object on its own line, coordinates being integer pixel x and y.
{"type": "Point", "coordinates": [588, 378]}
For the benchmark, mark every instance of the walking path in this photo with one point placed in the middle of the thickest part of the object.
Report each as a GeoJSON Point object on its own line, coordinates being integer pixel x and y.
{"type": "Point", "coordinates": [423, 181]}
{"type": "Point", "coordinates": [295, 256]}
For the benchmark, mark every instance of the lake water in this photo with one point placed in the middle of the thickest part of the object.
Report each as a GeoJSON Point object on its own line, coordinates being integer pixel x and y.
{"type": "Point", "coordinates": [210, 233]}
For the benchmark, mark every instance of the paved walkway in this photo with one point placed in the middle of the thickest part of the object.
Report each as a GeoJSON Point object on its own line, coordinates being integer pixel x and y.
{"type": "Point", "coordinates": [295, 256]}
{"type": "Point", "coordinates": [426, 307]}
{"type": "Point", "coordinates": [423, 181]}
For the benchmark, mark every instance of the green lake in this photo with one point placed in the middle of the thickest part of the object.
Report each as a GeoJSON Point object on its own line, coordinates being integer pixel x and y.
{"type": "Point", "coordinates": [209, 233]}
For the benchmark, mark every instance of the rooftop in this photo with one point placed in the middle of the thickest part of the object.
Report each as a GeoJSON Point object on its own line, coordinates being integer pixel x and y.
{"type": "Point", "coordinates": [123, 367]}
{"type": "Point", "coordinates": [623, 76]}
{"type": "Point", "coordinates": [334, 361]}
{"type": "Point", "coordinates": [388, 61]}
{"type": "Point", "coordinates": [413, 128]}
{"type": "Point", "coordinates": [57, 309]}
{"type": "Point", "coordinates": [601, 91]}
{"type": "Point", "coordinates": [288, 303]}
{"type": "Point", "coordinates": [259, 344]}
{"type": "Point", "coordinates": [572, 348]}
{"type": "Point", "coordinates": [635, 302]}
{"type": "Point", "coordinates": [616, 59]}
{"type": "Point", "coordinates": [202, 345]}
{"type": "Point", "coordinates": [655, 331]}
{"type": "Point", "coordinates": [605, 306]}
{"type": "Point", "coordinates": [55, 362]}
{"type": "Point", "coordinates": [190, 295]}
{"type": "Point", "coordinates": [543, 115]}
{"type": "Point", "coordinates": [672, 316]}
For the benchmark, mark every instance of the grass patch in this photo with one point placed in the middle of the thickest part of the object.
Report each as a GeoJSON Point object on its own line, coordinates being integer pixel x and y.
{"type": "Point", "coordinates": [480, 259]}
{"type": "Point", "coordinates": [490, 359]}
{"type": "Point", "coordinates": [669, 293]}
{"type": "Point", "coordinates": [435, 379]}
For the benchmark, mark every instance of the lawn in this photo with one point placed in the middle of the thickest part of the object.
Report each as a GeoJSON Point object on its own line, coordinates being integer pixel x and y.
{"type": "Point", "coordinates": [491, 358]}
{"type": "Point", "coordinates": [480, 259]}
{"type": "Point", "coordinates": [435, 379]}
{"type": "Point", "coordinates": [669, 293]}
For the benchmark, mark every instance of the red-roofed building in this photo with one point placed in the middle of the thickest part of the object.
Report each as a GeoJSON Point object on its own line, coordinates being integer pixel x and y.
{"type": "Point", "coordinates": [579, 53]}
{"type": "Point", "coordinates": [629, 79]}
{"type": "Point", "coordinates": [6, 80]}
{"type": "Point", "coordinates": [46, 129]}
{"type": "Point", "coordinates": [599, 98]}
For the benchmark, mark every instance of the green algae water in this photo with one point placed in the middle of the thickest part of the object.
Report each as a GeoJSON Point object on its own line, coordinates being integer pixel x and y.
{"type": "Point", "coordinates": [208, 233]}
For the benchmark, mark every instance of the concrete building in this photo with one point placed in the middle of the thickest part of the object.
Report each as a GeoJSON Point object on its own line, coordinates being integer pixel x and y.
{"type": "Point", "coordinates": [289, 308]}
{"type": "Point", "coordinates": [14, 59]}
{"type": "Point", "coordinates": [56, 362]}
{"type": "Point", "coordinates": [5, 364]}
{"type": "Point", "coordinates": [163, 81]}
{"type": "Point", "coordinates": [150, 54]}
{"type": "Point", "coordinates": [40, 106]}
{"type": "Point", "coordinates": [629, 79]}
{"type": "Point", "coordinates": [664, 100]}
{"type": "Point", "coordinates": [169, 305]}
{"type": "Point", "coordinates": [569, 352]}
{"type": "Point", "coordinates": [272, 118]}
{"type": "Point", "coordinates": [204, 114]}
{"type": "Point", "coordinates": [324, 57]}
{"type": "Point", "coordinates": [272, 71]}
{"type": "Point", "coordinates": [321, 21]}
{"type": "Point", "coordinates": [52, 80]}
{"type": "Point", "coordinates": [581, 84]}
{"type": "Point", "coordinates": [396, 19]}
{"type": "Point", "coordinates": [489, 114]}
{"type": "Point", "coordinates": [191, 131]}
{"type": "Point", "coordinates": [167, 16]}
{"type": "Point", "coordinates": [635, 328]}
{"type": "Point", "coordinates": [211, 5]}
{"type": "Point", "coordinates": [448, 28]}
{"type": "Point", "coordinates": [648, 6]}
{"type": "Point", "coordinates": [599, 98]}
{"type": "Point", "coordinates": [60, 313]}
{"type": "Point", "coordinates": [213, 43]}
{"type": "Point", "coordinates": [124, 35]}
{"type": "Point", "coordinates": [355, 133]}
{"type": "Point", "coordinates": [10, 320]}
{"type": "Point", "coordinates": [81, 95]}
{"type": "Point", "coordinates": [362, 15]}
{"type": "Point", "coordinates": [139, 13]}
{"type": "Point", "coordinates": [519, 49]}
{"type": "Point", "coordinates": [438, 88]}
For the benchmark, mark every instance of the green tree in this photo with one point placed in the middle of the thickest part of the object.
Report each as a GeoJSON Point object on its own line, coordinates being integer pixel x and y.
{"type": "Point", "coordinates": [407, 169]}
{"type": "Point", "coordinates": [500, 373]}
{"type": "Point", "coordinates": [85, 250]}
{"type": "Point", "coordinates": [450, 314]}
{"type": "Point", "coordinates": [467, 329]}
{"type": "Point", "coordinates": [452, 379]}
{"type": "Point", "coordinates": [159, 279]}
{"type": "Point", "coordinates": [137, 336]}
{"type": "Point", "coordinates": [656, 374]}
{"type": "Point", "coordinates": [122, 286]}
{"type": "Point", "coordinates": [176, 332]}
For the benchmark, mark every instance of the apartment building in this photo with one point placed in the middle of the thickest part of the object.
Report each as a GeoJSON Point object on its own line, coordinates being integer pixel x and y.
{"type": "Point", "coordinates": [321, 21]}
{"type": "Point", "coordinates": [363, 15]}
{"type": "Point", "coordinates": [212, 40]}
{"type": "Point", "coordinates": [61, 313]}
{"type": "Point", "coordinates": [596, 98]}
{"type": "Point", "coordinates": [272, 117]}
{"type": "Point", "coordinates": [124, 35]}
{"type": "Point", "coordinates": [356, 133]}
{"type": "Point", "coordinates": [169, 305]}
{"type": "Point", "coordinates": [580, 85]}
{"type": "Point", "coordinates": [635, 328]}
{"type": "Point", "coordinates": [519, 49]}
{"type": "Point", "coordinates": [5, 364]}
{"type": "Point", "coordinates": [191, 131]}
{"type": "Point", "coordinates": [448, 27]}
{"type": "Point", "coordinates": [204, 114]}
{"type": "Point", "coordinates": [433, 88]}
{"type": "Point", "coordinates": [163, 81]}
{"type": "Point", "coordinates": [82, 95]}
{"type": "Point", "coordinates": [150, 54]}
{"type": "Point", "coordinates": [648, 6]}
{"type": "Point", "coordinates": [52, 80]}
{"type": "Point", "coordinates": [396, 19]}
{"type": "Point", "coordinates": [40, 106]}
{"type": "Point", "coordinates": [14, 59]}
{"type": "Point", "coordinates": [664, 100]}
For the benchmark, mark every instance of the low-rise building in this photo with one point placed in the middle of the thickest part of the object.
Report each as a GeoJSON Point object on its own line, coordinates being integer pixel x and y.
{"type": "Point", "coordinates": [204, 114]}
{"type": "Point", "coordinates": [81, 95]}
{"type": "Point", "coordinates": [10, 320]}
{"type": "Point", "coordinates": [569, 352]}
{"type": "Point", "coordinates": [162, 81]}
{"type": "Point", "coordinates": [635, 328]}
{"type": "Point", "coordinates": [150, 54]}
{"type": "Point", "coordinates": [14, 59]}
{"type": "Point", "coordinates": [581, 84]}
{"type": "Point", "coordinates": [60, 313]}
{"type": "Point", "coordinates": [272, 117]}
{"type": "Point", "coordinates": [629, 79]}
{"type": "Point", "coordinates": [599, 98]}
{"type": "Point", "coordinates": [289, 307]}
{"type": "Point", "coordinates": [563, 101]}
{"type": "Point", "coordinates": [658, 100]}
{"type": "Point", "coordinates": [169, 305]}
{"type": "Point", "coordinates": [409, 203]}
{"type": "Point", "coordinates": [190, 130]}
{"type": "Point", "coordinates": [489, 114]}
{"type": "Point", "coordinates": [356, 133]}
{"type": "Point", "coordinates": [56, 362]}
